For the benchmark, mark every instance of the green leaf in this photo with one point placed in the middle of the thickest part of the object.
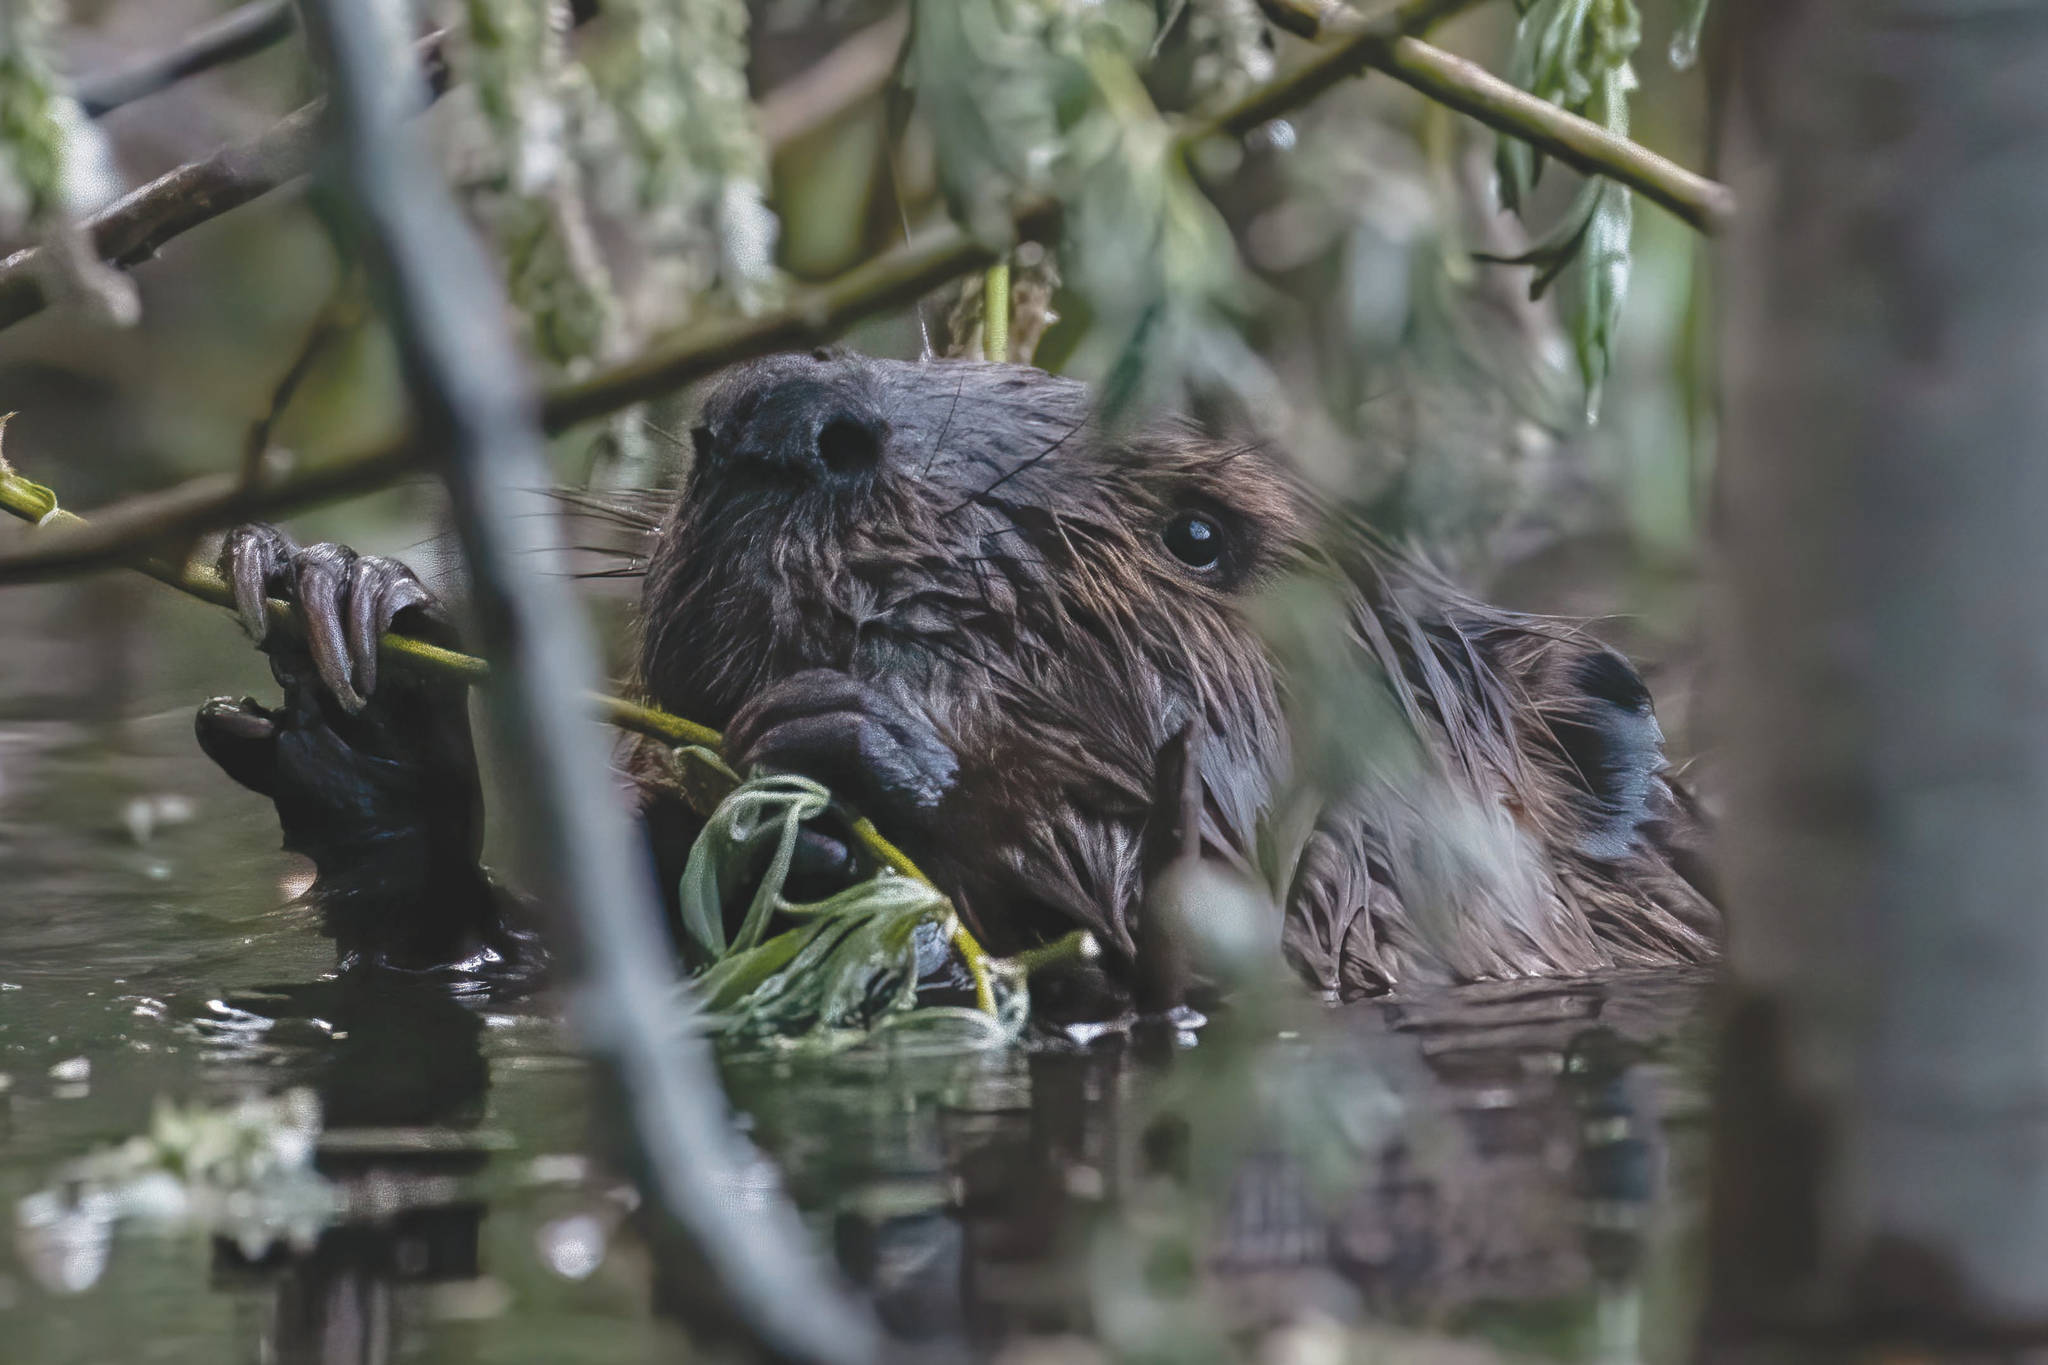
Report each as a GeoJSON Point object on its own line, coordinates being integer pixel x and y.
{"type": "Point", "coordinates": [1603, 275]}
{"type": "Point", "coordinates": [1577, 54]}
{"type": "Point", "coordinates": [843, 968]}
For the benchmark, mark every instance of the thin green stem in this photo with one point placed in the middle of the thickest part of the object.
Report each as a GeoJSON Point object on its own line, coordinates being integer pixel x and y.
{"type": "Point", "coordinates": [995, 312]}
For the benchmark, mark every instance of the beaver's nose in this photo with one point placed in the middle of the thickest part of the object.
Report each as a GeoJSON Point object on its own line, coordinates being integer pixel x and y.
{"type": "Point", "coordinates": [804, 429]}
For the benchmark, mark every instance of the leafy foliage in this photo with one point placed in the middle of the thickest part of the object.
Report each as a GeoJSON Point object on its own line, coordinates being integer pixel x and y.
{"type": "Point", "coordinates": [849, 965]}
{"type": "Point", "coordinates": [34, 147]}
{"type": "Point", "coordinates": [53, 163]}
{"type": "Point", "coordinates": [621, 174]}
{"type": "Point", "coordinates": [1685, 39]}
{"type": "Point", "coordinates": [1030, 97]}
{"type": "Point", "coordinates": [1579, 55]}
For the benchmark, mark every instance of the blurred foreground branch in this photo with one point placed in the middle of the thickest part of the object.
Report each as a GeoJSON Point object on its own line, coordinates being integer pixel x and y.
{"type": "Point", "coordinates": [852, 73]}
{"type": "Point", "coordinates": [742, 1270]}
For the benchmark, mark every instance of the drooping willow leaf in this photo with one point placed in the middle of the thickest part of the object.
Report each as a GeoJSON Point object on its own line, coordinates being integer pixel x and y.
{"type": "Point", "coordinates": [620, 176]}
{"type": "Point", "coordinates": [1578, 55]}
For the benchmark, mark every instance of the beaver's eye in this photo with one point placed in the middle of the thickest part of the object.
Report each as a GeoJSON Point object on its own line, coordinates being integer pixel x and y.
{"type": "Point", "coordinates": [1196, 540]}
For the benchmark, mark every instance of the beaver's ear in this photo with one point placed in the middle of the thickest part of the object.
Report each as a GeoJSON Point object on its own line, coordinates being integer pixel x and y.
{"type": "Point", "coordinates": [1613, 749]}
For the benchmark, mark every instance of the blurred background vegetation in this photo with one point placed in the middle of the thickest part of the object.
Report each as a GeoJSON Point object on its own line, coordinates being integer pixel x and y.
{"type": "Point", "coordinates": [652, 163]}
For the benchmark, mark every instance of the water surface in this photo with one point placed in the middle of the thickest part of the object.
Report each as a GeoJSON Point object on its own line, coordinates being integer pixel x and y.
{"type": "Point", "coordinates": [1513, 1167]}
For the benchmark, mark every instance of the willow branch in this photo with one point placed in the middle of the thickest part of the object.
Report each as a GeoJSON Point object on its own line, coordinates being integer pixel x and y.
{"type": "Point", "coordinates": [1703, 204]}
{"type": "Point", "coordinates": [849, 75]}
{"type": "Point", "coordinates": [32, 503]}
{"type": "Point", "coordinates": [134, 227]}
{"type": "Point", "coordinates": [1387, 44]}
{"type": "Point", "coordinates": [811, 317]}
{"type": "Point", "coordinates": [235, 35]}
{"type": "Point", "coordinates": [814, 316]}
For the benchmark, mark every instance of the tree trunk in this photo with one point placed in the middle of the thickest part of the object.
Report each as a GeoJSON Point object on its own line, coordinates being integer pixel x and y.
{"type": "Point", "coordinates": [1881, 1167]}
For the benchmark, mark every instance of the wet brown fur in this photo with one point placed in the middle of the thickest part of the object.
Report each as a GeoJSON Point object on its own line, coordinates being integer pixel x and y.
{"type": "Point", "coordinates": [1003, 572]}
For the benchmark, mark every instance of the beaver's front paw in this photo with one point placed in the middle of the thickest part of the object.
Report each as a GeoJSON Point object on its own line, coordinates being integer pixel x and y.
{"type": "Point", "coordinates": [351, 761]}
{"type": "Point", "coordinates": [881, 755]}
{"type": "Point", "coordinates": [345, 603]}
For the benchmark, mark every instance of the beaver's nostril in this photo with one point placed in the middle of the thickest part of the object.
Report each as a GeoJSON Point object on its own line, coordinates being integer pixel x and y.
{"type": "Point", "coordinates": [849, 447]}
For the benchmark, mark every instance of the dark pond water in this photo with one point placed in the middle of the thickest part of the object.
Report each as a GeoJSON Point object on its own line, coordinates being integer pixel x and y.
{"type": "Point", "coordinates": [1498, 1173]}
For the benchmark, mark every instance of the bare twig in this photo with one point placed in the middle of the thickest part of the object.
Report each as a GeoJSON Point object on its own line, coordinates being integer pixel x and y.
{"type": "Point", "coordinates": [851, 74]}
{"type": "Point", "coordinates": [136, 225]}
{"type": "Point", "coordinates": [237, 34]}
{"type": "Point", "coordinates": [141, 524]}
{"type": "Point", "coordinates": [336, 317]}
{"type": "Point", "coordinates": [749, 1276]}
{"type": "Point", "coordinates": [1387, 44]}
{"type": "Point", "coordinates": [142, 221]}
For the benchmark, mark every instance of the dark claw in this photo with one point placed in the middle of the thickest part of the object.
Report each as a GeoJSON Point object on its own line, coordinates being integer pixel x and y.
{"type": "Point", "coordinates": [344, 600]}
{"type": "Point", "coordinates": [322, 572]}
{"type": "Point", "coordinates": [365, 620]}
{"type": "Point", "coordinates": [253, 560]}
{"type": "Point", "coordinates": [379, 590]}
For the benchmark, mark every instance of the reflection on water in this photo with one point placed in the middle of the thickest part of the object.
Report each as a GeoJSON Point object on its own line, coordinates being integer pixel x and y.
{"type": "Point", "coordinates": [1516, 1166]}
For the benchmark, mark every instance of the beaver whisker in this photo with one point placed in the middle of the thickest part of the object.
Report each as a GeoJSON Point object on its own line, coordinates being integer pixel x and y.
{"type": "Point", "coordinates": [1013, 472]}
{"type": "Point", "coordinates": [938, 442]}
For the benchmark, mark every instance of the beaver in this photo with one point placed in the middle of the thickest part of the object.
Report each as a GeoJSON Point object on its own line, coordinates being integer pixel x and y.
{"type": "Point", "coordinates": [982, 614]}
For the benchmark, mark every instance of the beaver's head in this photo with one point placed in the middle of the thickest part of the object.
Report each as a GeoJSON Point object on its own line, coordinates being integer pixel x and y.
{"type": "Point", "coordinates": [1055, 599]}
{"type": "Point", "coordinates": [1061, 598]}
